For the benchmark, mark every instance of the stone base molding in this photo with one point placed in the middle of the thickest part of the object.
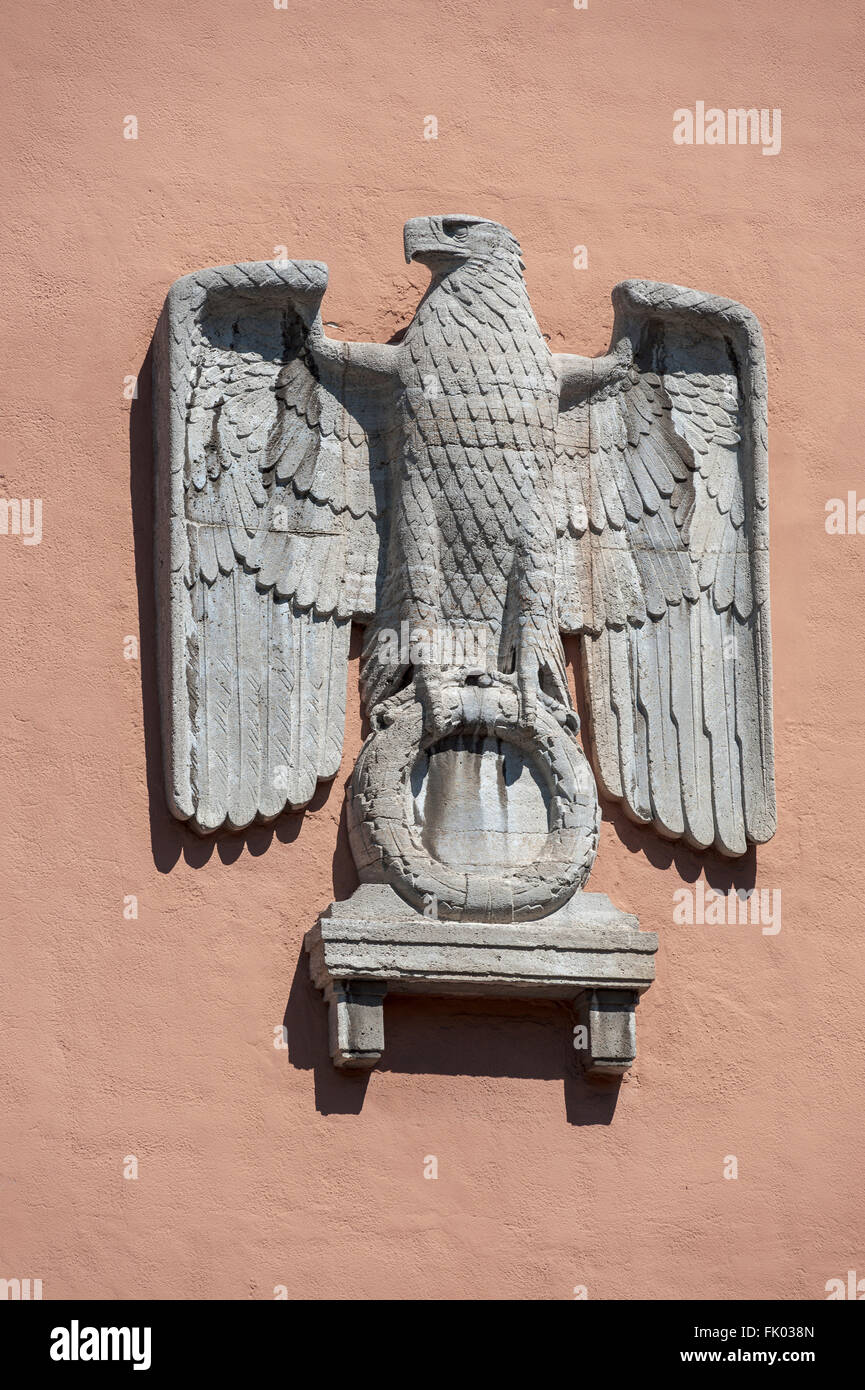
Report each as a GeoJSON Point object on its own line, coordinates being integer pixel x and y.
{"type": "Point", "coordinates": [588, 952]}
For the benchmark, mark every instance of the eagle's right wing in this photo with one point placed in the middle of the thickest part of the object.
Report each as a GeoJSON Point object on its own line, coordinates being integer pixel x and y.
{"type": "Point", "coordinates": [270, 480]}
{"type": "Point", "coordinates": [664, 564]}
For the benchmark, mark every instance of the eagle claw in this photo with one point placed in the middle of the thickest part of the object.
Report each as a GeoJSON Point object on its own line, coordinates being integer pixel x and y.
{"type": "Point", "coordinates": [428, 687]}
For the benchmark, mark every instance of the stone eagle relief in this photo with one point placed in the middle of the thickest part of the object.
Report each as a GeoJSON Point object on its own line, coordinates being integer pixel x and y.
{"type": "Point", "coordinates": [467, 496]}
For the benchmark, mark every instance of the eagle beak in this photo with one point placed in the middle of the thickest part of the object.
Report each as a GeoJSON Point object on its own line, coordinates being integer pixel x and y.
{"type": "Point", "coordinates": [426, 239]}
{"type": "Point", "coordinates": [419, 235]}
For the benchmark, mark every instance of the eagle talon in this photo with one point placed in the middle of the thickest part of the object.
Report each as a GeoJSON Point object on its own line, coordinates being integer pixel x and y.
{"type": "Point", "coordinates": [428, 688]}
{"type": "Point", "coordinates": [528, 686]}
{"type": "Point", "coordinates": [527, 710]}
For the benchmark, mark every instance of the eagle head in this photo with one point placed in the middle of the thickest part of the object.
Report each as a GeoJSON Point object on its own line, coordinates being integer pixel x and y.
{"type": "Point", "coordinates": [442, 242]}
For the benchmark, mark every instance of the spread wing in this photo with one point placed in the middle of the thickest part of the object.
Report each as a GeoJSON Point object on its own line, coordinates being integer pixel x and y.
{"type": "Point", "coordinates": [663, 566]}
{"type": "Point", "coordinates": [269, 482]}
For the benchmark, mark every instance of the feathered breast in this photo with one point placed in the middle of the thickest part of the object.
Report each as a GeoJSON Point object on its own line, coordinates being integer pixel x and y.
{"type": "Point", "coordinates": [478, 373]}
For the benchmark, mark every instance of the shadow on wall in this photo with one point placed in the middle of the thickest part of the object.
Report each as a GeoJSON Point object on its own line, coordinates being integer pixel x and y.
{"type": "Point", "coordinates": [449, 1037]}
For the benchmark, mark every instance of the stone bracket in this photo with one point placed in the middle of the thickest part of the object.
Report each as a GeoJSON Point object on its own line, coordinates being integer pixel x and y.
{"type": "Point", "coordinates": [608, 1015]}
{"type": "Point", "coordinates": [587, 952]}
{"type": "Point", "coordinates": [355, 1022]}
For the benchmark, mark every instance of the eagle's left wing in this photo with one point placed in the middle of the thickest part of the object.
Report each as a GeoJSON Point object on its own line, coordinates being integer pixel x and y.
{"type": "Point", "coordinates": [663, 563]}
{"type": "Point", "coordinates": [272, 461]}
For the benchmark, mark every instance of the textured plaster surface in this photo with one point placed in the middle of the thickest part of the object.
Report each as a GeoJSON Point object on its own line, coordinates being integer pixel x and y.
{"type": "Point", "coordinates": [259, 1166]}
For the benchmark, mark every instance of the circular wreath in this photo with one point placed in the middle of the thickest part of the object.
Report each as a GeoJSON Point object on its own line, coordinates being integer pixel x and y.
{"type": "Point", "coordinates": [387, 842]}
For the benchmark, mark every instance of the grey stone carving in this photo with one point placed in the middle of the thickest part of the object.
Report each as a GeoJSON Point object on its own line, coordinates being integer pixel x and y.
{"type": "Point", "coordinates": [468, 496]}
{"type": "Point", "coordinates": [585, 952]}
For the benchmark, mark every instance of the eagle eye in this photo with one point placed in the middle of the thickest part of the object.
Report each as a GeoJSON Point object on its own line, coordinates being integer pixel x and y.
{"type": "Point", "coordinates": [458, 231]}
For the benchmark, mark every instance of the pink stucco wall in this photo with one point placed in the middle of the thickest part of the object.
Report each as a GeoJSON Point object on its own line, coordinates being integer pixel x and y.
{"type": "Point", "coordinates": [153, 1037]}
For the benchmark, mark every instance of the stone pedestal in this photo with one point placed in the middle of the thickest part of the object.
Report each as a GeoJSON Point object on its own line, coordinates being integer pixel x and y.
{"type": "Point", "coordinates": [587, 952]}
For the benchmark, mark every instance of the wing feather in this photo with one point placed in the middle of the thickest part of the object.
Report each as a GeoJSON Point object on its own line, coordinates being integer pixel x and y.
{"type": "Point", "coordinates": [269, 517]}
{"type": "Point", "coordinates": [669, 583]}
